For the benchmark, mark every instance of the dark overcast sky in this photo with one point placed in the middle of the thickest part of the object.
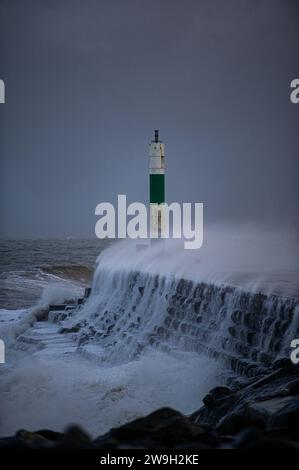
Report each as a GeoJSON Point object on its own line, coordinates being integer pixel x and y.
{"type": "Point", "coordinates": [87, 81]}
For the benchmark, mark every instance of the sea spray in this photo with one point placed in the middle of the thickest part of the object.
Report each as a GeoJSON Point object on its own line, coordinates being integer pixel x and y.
{"type": "Point", "coordinates": [133, 312]}
{"type": "Point", "coordinates": [54, 393]}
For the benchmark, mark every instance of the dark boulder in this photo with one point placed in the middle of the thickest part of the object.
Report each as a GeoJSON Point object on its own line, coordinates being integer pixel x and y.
{"type": "Point", "coordinates": [215, 395]}
{"type": "Point", "coordinates": [164, 428]}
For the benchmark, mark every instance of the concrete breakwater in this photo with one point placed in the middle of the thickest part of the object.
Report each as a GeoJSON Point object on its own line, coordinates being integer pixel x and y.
{"type": "Point", "coordinates": [128, 312]}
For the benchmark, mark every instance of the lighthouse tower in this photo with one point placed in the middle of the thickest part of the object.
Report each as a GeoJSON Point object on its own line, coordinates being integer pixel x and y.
{"type": "Point", "coordinates": [156, 185]}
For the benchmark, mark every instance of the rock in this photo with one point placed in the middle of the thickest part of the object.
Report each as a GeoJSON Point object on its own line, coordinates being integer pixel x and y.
{"type": "Point", "coordinates": [216, 394]}
{"type": "Point", "coordinates": [74, 438]}
{"type": "Point", "coordinates": [294, 387]}
{"type": "Point", "coordinates": [165, 428]}
{"type": "Point", "coordinates": [282, 363]}
{"type": "Point", "coordinates": [26, 440]}
{"type": "Point", "coordinates": [263, 404]}
{"type": "Point", "coordinates": [237, 420]}
{"type": "Point", "coordinates": [246, 437]}
{"type": "Point", "coordinates": [50, 435]}
{"type": "Point", "coordinates": [286, 412]}
{"type": "Point", "coordinates": [252, 438]}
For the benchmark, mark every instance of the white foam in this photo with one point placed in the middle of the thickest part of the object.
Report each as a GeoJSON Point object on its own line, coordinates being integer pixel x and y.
{"type": "Point", "coordinates": [52, 394]}
{"type": "Point", "coordinates": [13, 323]}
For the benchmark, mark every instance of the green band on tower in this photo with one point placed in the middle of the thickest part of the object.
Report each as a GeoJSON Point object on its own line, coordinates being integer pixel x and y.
{"type": "Point", "coordinates": [157, 189]}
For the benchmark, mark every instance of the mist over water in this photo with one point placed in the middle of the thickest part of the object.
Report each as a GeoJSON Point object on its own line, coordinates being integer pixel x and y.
{"type": "Point", "coordinates": [244, 256]}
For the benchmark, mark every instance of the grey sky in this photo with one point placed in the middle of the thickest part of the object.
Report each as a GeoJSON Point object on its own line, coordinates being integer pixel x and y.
{"type": "Point", "coordinates": [88, 81]}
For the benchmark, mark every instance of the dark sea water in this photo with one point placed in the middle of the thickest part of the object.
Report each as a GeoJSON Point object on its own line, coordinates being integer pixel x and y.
{"type": "Point", "coordinates": [27, 267]}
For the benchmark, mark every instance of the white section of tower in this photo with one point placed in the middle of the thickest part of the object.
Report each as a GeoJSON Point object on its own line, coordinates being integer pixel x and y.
{"type": "Point", "coordinates": [156, 167]}
{"type": "Point", "coordinates": [157, 158]}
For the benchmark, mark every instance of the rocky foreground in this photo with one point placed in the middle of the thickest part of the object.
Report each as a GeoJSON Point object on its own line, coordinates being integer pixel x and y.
{"type": "Point", "coordinates": [263, 413]}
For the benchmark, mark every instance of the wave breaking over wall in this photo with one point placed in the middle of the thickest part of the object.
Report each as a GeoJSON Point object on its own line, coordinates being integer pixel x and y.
{"type": "Point", "coordinates": [130, 311]}
{"type": "Point", "coordinates": [161, 327]}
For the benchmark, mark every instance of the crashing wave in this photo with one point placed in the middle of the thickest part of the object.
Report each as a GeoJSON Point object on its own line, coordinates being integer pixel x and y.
{"type": "Point", "coordinates": [129, 312]}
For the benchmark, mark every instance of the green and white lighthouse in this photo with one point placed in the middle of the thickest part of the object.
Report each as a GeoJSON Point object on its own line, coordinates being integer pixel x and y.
{"type": "Point", "coordinates": [156, 185]}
